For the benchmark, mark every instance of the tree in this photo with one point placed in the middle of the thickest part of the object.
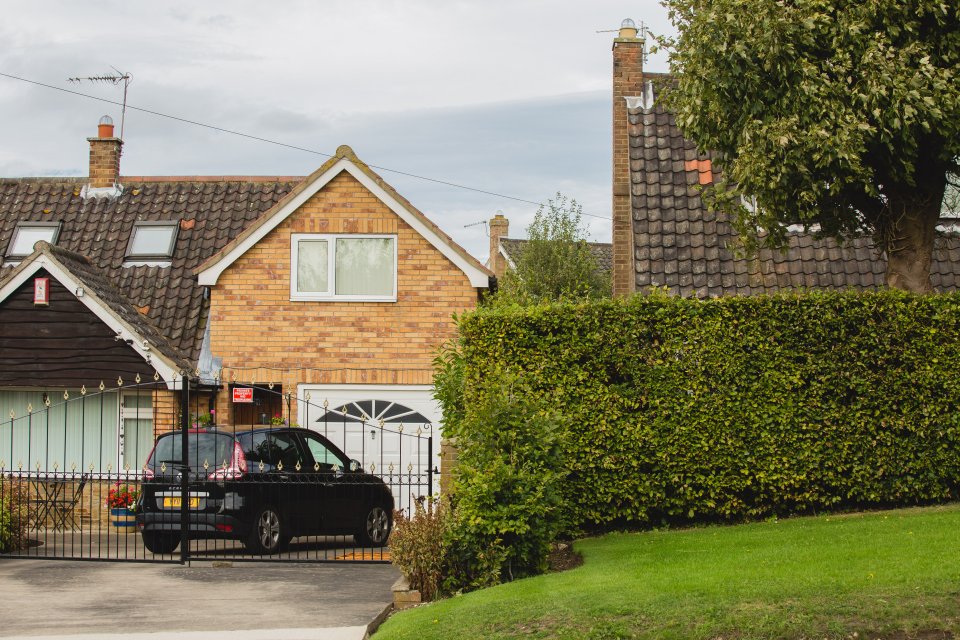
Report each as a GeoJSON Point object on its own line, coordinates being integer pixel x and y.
{"type": "Point", "coordinates": [843, 113]}
{"type": "Point", "coordinates": [556, 261]}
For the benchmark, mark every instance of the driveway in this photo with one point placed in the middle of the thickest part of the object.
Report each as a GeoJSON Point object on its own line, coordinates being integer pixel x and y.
{"type": "Point", "coordinates": [40, 598]}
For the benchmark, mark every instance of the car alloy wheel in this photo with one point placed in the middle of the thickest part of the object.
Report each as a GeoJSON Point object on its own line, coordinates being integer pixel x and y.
{"type": "Point", "coordinates": [377, 526]}
{"type": "Point", "coordinates": [267, 532]}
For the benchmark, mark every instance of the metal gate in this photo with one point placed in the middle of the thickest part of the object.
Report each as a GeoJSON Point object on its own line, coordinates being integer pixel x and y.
{"type": "Point", "coordinates": [149, 472]}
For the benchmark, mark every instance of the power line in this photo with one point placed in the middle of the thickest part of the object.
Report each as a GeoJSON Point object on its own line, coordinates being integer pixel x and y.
{"type": "Point", "coordinates": [280, 144]}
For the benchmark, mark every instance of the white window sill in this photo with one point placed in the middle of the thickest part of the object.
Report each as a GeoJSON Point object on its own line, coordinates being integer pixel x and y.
{"type": "Point", "coordinates": [302, 298]}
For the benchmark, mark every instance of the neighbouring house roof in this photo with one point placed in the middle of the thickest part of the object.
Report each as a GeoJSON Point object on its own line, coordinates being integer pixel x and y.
{"type": "Point", "coordinates": [95, 290]}
{"type": "Point", "coordinates": [210, 212]}
{"type": "Point", "coordinates": [602, 252]}
{"type": "Point", "coordinates": [679, 244]}
{"type": "Point", "coordinates": [344, 160]}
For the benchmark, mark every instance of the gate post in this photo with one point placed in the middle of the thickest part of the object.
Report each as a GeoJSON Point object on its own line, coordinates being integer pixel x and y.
{"type": "Point", "coordinates": [185, 469]}
{"type": "Point", "coordinates": [430, 466]}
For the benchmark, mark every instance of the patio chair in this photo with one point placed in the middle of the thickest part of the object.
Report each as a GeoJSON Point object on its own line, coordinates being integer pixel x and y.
{"type": "Point", "coordinates": [62, 510]}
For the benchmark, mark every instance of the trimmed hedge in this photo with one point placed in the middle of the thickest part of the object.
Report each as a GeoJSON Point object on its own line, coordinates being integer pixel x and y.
{"type": "Point", "coordinates": [732, 408]}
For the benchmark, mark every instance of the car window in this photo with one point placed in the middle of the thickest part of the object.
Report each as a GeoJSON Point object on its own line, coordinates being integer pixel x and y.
{"type": "Point", "coordinates": [323, 455]}
{"type": "Point", "coordinates": [204, 450]}
{"type": "Point", "coordinates": [270, 449]}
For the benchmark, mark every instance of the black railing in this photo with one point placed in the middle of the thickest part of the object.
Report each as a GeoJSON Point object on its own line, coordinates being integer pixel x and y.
{"type": "Point", "coordinates": [74, 481]}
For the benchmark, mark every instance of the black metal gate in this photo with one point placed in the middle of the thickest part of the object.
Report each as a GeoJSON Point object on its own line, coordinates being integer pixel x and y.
{"type": "Point", "coordinates": [75, 482]}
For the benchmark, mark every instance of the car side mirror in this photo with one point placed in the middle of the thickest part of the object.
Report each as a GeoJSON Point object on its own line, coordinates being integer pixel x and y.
{"type": "Point", "coordinates": [355, 465]}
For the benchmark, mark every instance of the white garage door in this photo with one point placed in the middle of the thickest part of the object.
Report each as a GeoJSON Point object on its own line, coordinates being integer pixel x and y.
{"type": "Point", "coordinates": [388, 428]}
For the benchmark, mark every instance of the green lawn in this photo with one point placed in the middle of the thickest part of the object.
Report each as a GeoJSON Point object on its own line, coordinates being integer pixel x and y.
{"type": "Point", "coordinates": [892, 574]}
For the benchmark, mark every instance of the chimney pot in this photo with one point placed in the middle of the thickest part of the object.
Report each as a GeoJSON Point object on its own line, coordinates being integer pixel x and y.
{"type": "Point", "coordinates": [628, 29]}
{"type": "Point", "coordinates": [105, 127]}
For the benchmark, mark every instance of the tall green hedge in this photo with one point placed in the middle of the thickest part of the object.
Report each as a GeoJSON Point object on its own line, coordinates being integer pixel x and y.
{"type": "Point", "coordinates": [679, 409]}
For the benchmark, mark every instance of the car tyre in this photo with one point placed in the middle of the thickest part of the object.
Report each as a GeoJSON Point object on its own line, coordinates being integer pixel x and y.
{"type": "Point", "coordinates": [160, 542]}
{"type": "Point", "coordinates": [268, 533]}
{"type": "Point", "coordinates": [375, 528]}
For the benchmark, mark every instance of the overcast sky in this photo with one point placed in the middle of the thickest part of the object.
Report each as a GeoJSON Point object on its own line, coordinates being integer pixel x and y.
{"type": "Point", "coordinates": [509, 96]}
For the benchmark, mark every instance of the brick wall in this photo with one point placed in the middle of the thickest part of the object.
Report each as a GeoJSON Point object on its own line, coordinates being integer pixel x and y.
{"type": "Point", "coordinates": [104, 161]}
{"type": "Point", "coordinates": [627, 81]}
{"type": "Point", "coordinates": [264, 337]}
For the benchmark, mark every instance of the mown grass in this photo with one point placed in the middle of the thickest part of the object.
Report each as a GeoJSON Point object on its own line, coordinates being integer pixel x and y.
{"type": "Point", "coordinates": [890, 574]}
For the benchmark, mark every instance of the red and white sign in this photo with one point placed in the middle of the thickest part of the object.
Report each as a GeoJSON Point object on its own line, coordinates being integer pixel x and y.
{"type": "Point", "coordinates": [243, 394]}
{"type": "Point", "coordinates": [41, 291]}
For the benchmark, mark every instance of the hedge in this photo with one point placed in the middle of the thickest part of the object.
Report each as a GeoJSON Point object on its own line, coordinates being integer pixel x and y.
{"type": "Point", "coordinates": [680, 409]}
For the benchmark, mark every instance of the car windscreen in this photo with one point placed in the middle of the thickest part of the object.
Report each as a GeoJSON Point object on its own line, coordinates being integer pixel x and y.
{"type": "Point", "coordinates": [205, 451]}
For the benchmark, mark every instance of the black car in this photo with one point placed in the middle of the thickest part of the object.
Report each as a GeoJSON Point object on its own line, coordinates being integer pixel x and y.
{"type": "Point", "coordinates": [262, 487]}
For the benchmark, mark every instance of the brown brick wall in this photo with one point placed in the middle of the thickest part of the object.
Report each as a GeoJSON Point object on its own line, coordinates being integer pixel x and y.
{"type": "Point", "coordinates": [627, 81]}
{"type": "Point", "coordinates": [262, 336]}
{"type": "Point", "coordinates": [104, 161]}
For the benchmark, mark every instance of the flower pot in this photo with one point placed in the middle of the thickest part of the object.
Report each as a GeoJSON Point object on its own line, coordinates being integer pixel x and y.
{"type": "Point", "coordinates": [124, 520]}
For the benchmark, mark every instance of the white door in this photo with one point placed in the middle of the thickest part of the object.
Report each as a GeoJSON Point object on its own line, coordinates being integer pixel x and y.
{"type": "Point", "coordinates": [386, 427]}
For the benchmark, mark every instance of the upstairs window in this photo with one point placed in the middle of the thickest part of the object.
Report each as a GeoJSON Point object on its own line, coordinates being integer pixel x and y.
{"type": "Point", "coordinates": [343, 267]}
{"type": "Point", "coordinates": [152, 241]}
{"type": "Point", "coordinates": [27, 234]}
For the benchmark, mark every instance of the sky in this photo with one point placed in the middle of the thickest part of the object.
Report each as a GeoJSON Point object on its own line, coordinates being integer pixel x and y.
{"type": "Point", "coordinates": [504, 96]}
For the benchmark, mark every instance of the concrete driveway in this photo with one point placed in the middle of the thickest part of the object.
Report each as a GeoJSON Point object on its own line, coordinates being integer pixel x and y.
{"type": "Point", "coordinates": [53, 598]}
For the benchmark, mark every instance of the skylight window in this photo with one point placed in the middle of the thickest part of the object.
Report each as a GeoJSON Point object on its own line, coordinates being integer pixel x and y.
{"type": "Point", "coordinates": [154, 240]}
{"type": "Point", "coordinates": [28, 234]}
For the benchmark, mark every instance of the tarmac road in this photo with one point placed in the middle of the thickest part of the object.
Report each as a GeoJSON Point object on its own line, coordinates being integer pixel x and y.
{"type": "Point", "coordinates": [243, 600]}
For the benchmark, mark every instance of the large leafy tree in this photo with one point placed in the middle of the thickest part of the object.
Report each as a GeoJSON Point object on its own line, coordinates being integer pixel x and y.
{"type": "Point", "coordinates": [842, 113]}
{"type": "Point", "coordinates": [556, 261]}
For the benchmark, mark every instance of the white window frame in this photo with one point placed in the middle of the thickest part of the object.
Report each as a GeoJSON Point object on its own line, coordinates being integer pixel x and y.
{"type": "Point", "coordinates": [52, 226]}
{"type": "Point", "coordinates": [132, 413]}
{"type": "Point", "coordinates": [330, 295]}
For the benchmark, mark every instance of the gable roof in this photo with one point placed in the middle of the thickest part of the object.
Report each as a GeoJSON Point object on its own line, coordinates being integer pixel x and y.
{"type": "Point", "coordinates": [679, 244]}
{"type": "Point", "coordinates": [602, 252]}
{"type": "Point", "coordinates": [344, 160]}
{"type": "Point", "coordinates": [211, 211]}
{"type": "Point", "coordinates": [100, 296]}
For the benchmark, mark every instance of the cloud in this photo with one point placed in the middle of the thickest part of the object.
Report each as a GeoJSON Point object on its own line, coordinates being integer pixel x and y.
{"type": "Point", "coordinates": [509, 96]}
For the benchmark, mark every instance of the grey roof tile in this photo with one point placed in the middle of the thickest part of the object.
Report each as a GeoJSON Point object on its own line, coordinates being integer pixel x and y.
{"type": "Point", "coordinates": [99, 229]}
{"type": "Point", "coordinates": [668, 212]}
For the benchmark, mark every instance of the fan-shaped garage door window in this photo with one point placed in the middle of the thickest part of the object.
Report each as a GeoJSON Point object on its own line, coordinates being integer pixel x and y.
{"type": "Point", "coordinates": [374, 411]}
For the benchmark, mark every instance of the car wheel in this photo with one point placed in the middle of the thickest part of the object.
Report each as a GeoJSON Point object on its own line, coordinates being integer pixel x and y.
{"type": "Point", "coordinates": [268, 533]}
{"type": "Point", "coordinates": [375, 528]}
{"type": "Point", "coordinates": [160, 542]}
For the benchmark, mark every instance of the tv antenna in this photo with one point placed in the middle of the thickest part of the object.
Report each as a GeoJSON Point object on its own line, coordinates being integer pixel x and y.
{"type": "Point", "coordinates": [477, 224]}
{"type": "Point", "coordinates": [120, 76]}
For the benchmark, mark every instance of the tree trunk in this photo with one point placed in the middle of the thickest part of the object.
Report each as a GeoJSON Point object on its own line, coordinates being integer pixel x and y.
{"type": "Point", "coordinates": [909, 235]}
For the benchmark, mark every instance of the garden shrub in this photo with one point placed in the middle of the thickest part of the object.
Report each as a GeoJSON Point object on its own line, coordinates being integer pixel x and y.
{"type": "Point", "coordinates": [14, 517]}
{"type": "Point", "coordinates": [660, 409]}
{"type": "Point", "coordinates": [417, 546]}
{"type": "Point", "coordinates": [507, 492]}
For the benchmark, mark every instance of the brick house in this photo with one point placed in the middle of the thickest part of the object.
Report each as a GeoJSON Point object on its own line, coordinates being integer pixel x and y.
{"type": "Point", "coordinates": [664, 235]}
{"type": "Point", "coordinates": [330, 291]}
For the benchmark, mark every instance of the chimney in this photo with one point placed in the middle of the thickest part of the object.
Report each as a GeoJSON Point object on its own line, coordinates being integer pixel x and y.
{"type": "Point", "coordinates": [499, 227]}
{"type": "Point", "coordinates": [627, 82]}
{"type": "Point", "coordinates": [105, 156]}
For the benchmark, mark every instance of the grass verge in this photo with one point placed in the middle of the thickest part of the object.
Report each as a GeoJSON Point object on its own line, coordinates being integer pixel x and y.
{"type": "Point", "coordinates": [891, 574]}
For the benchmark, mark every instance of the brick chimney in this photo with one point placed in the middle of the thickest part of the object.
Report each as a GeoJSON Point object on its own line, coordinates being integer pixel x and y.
{"type": "Point", "coordinates": [627, 82]}
{"type": "Point", "coordinates": [499, 227]}
{"type": "Point", "coordinates": [105, 156]}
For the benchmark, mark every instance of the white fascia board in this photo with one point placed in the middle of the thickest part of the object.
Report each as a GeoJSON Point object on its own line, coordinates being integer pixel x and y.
{"type": "Point", "coordinates": [209, 276]}
{"type": "Point", "coordinates": [167, 370]}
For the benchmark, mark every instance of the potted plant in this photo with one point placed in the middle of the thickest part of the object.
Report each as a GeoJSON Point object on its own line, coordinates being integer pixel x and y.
{"type": "Point", "coordinates": [122, 502]}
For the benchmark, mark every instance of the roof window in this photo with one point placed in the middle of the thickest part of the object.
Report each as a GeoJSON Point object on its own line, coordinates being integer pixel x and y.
{"type": "Point", "coordinates": [27, 234]}
{"type": "Point", "coordinates": [152, 240]}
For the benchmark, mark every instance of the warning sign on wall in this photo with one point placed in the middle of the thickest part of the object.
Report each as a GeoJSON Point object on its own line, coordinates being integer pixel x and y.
{"type": "Point", "coordinates": [243, 394]}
